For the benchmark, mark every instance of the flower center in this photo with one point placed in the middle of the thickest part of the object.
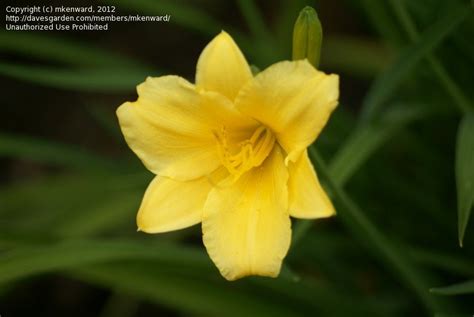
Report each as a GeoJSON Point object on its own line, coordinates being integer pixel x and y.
{"type": "Point", "coordinates": [243, 156]}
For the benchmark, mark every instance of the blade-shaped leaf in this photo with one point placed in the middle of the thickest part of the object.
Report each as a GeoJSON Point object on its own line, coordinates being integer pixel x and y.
{"type": "Point", "coordinates": [437, 67]}
{"type": "Point", "coordinates": [57, 49]}
{"type": "Point", "coordinates": [44, 151]}
{"type": "Point", "coordinates": [379, 15]}
{"type": "Point", "coordinates": [254, 19]}
{"type": "Point", "coordinates": [102, 215]}
{"type": "Point", "coordinates": [210, 295]}
{"type": "Point", "coordinates": [378, 243]}
{"type": "Point", "coordinates": [182, 289]}
{"type": "Point", "coordinates": [365, 140]}
{"type": "Point", "coordinates": [93, 80]}
{"type": "Point", "coordinates": [175, 275]}
{"type": "Point", "coordinates": [442, 261]}
{"type": "Point", "coordinates": [60, 208]}
{"type": "Point", "coordinates": [466, 287]}
{"type": "Point", "coordinates": [465, 173]}
{"type": "Point", "coordinates": [27, 261]}
{"type": "Point", "coordinates": [387, 83]}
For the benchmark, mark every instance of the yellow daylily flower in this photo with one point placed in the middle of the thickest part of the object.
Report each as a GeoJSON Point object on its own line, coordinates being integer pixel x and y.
{"type": "Point", "coordinates": [230, 151]}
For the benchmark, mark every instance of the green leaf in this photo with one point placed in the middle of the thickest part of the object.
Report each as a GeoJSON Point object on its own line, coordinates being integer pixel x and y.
{"type": "Point", "coordinates": [208, 294]}
{"type": "Point", "coordinates": [381, 19]}
{"type": "Point", "coordinates": [362, 143]}
{"type": "Point", "coordinates": [436, 66]}
{"type": "Point", "coordinates": [466, 287]}
{"type": "Point", "coordinates": [92, 80]}
{"type": "Point", "coordinates": [254, 19]}
{"type": "Point", "coordinates": [60, 209]}
{"type": "Point", "coordinates": [43, 151]}
{"type": "Point", "coordinates": [27, 261]}
{"type": "Point", "coordinates": [361, 226]}
{"type": "Point", "coordinates": [284, 20]}
{"type": "Point", "coordinates": [366, 139]}
{"type": "Point", "coordinates": [179, 276]}
{"type": "Point", "coordinates": [175, 274]}
{"type": "Point", "coordinates": [386, 84]}
{"type": "Point", "coordinates": [356, 150]}
{"type": "Point", "coordinates": [301, 228]}
{"type": "Point", "coordinates": [442, 261]}
{"type": "Point", "coordinates": [465, 173]}
{"type": "Point", "coordinates": [257, 46]}
{"type": "Point", "coordinates": [183, 290]}
{"type": "Point", "coordinates": [103, 214]}
{"type": "Point", "coordinates": [57, 49]}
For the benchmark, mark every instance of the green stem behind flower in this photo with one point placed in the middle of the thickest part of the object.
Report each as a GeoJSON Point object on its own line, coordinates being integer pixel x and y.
{"type": "Point", "coordinates": [356, 221]}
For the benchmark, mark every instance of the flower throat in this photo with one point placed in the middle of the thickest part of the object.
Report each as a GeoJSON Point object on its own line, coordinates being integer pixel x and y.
{"type": "Point", "coordinates": [247, 154]}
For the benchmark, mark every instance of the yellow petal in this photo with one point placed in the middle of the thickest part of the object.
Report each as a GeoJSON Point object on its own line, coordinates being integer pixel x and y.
{"type": "Point", "coordinates": [170, 127]}
{"type": "Point", "coordinates": [222, 67]}
{"type": "Point", "coordinates": [307, 199]}
{"type": "Point", "coordinates": [294, 100]}
{"type": "Point", "coordinates": [246, 226]}
{"type": "Point", "coordinates": [171, 205]}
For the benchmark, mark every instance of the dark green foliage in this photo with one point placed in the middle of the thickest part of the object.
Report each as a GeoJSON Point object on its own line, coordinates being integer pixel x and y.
{"type": "Point", "coordinates": [399, 152]}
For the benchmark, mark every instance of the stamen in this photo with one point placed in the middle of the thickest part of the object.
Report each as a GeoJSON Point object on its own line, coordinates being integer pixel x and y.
{"type": "Point", "coordinates": [256, 135]}
{"type": "Point", "coordinates": [250, 153]}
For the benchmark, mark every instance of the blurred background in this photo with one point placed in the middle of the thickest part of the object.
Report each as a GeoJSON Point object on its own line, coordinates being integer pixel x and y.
{"type": "Point", "coordinates": [397, 158]}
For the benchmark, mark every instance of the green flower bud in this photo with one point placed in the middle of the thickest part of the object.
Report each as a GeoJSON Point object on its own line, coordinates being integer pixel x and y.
{"type": "Point", "coordinates": [307, 36]}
